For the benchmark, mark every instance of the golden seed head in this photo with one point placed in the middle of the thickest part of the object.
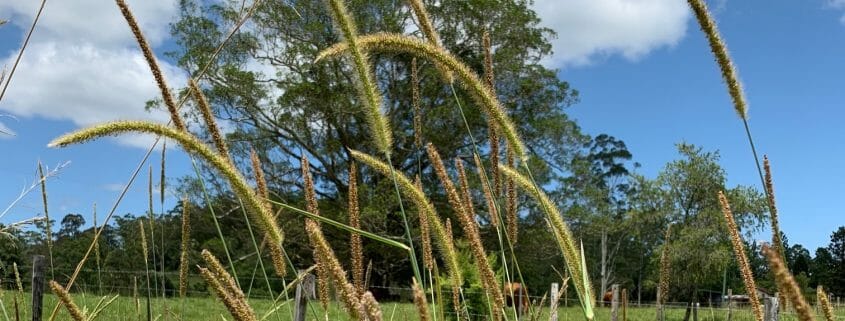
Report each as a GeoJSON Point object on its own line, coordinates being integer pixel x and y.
{"type": "Point", "coordinates": [183, 256]}
{"type": "Point", "coordinates": [786, 283]}
{"type": "Point", "coordinates": [821, 297]}
{"type": "Point", "coordinates": [720, 52]}
{"type": "Point", "coordinates": [208, 117]}
{"type": "Point", "coordinates": [355, 243]}
{"type": "Point", "coordinates": [415, 103]}
{"type": "Point", "coordinates": [193, 146]}
{"type": "Point", "coordinates": [665, 268]}
{"type": "Point", "coordinates": [332, 269]}
{"type": "Point", "coordinates": [511, 208]}
{"type": "Point", "coordinates": [420, 301]}
{"type": "Point", "coordinates": [153, 64]}
{"type": "Point", "coordinates": [365, 80]}
{"type": "Point", "coordinates": [67, 301]}
{"type": "Point", "coordinates": [742, 259]}
{"type": "Point", "coordinates": [425, 232]}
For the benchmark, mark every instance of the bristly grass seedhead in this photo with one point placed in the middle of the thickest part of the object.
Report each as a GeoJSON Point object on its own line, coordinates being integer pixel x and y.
{"type": "Point", "coordinates": [720, 52]}
{"type": "Point", "coordinates": [153, 64]}
{"type": "Point", "coordinates": [260, 181]}
{"type": "Point", "coordinates": [64, 296]}
{"type": "Point", "coordinates": [786, 283]}
{"type": "Point", "coordinates": [777, 242]}
{"type": "Point", "coordinates": [356, 246]}
{"type": "Point", "coordinates": [489, 79]}
{"type": "Point", "coordinates": [492, 209]}
{"type": "Point", "coordinates": [18, 281]}
{"type": "Point", "coordinates": [208, 118]}
{"type": "Point", "coordinates": [510, 202]}
{"type": "Point", "coordinates": [467, 222]}
{"type": "Point", "coordinates": [427, 27]}
{"type": "Point", "coordinates": [311, 205]}
{"type": "Point", "coordinates": [571, 254]}
{"type": "Point", "coordinates": [365, 80]}
{"type": "Point", "coordinates": [665, 268]}
{"type": "Point", "coordinates": [484, 95]}
{"type": "Point", "coordinates": [348, 293]}
{"type": "Point", "coordinates": [741, 258]}
{"type": "Point", "coordinates": [424, 206]}
{"type": "Point", "coordinates": [420, 301]}
{"type": "Point", "coordinates": [824, 303]}
{"type": "Point", "coordinates": [226, 288]}
{"type": "Point", "coordinates": [415, 103]}
{"type": "Point", "coordinates": [425, 232]}
{"type": "Point", "coordinates": [186, 242]}
{"type": "Point", "coordinates": [194, 146]}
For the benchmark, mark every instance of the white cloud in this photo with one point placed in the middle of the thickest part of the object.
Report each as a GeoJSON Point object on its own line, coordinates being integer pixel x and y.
{"type": "Point", "coordinates": [83, 65]}
{"type": "Point", "coordinates": [837, 4]}
{"type": "Point", "coordinates": [588, 29]}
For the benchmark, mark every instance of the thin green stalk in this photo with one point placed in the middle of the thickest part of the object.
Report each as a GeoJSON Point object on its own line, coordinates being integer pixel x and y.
{"type": "Point", "coordinates": [258, 254]}
{"type": "Point", "coordinates": [411, 251]}
{"type": "Point", "coordinates": [344, 227]}
{"type": "Point", "coordinates": [214, 218]}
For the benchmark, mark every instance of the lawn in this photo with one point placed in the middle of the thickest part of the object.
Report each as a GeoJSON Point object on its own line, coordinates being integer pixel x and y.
{"type": "Point", "coordinates": [207, 308]}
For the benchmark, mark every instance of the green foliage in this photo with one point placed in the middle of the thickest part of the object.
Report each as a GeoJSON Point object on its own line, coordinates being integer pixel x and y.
{"type": "Point", "coordinates": [474, 298]}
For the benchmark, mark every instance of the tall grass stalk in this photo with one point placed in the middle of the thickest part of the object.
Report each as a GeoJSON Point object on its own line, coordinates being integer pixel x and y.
{"type": "Point", "coordinates": [146, 254]}
{"type": "Point", "coordinates": [824, 303]}
{"type": "Point", "coordinates": [48, 225]}
{"type": "Point", "coordinates": [151, 222]}
{"type": "Point", "coordinates": [742, 259]}
{"type": "Point", "coordinates": [786, 283]}
{"type": "Point", "coordinates": [97, 257]}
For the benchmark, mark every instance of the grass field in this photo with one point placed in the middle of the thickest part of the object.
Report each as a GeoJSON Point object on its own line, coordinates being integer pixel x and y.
{"type": "Point", "coordinates": [207, 308]}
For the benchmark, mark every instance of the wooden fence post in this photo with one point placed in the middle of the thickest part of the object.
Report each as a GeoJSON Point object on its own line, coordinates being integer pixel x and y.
{"type": "Point", "coordinates": [37, 286]}
{"type": "Point", "coordinates": [304, 290]}
{"type": "Point", "coordinates": [730, 304]}
{"type": "Point", "coordinates": [614, 303]}
{"type": "Point", "coordinates": [554, 302]}
{"type": "Point", "coordinates": [770, 308]}
{"type": "Point", "coordinates": [624, 304]}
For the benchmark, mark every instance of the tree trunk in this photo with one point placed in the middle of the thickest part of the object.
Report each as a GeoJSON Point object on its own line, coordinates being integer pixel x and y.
{"type": "Point", "coordinates": [604, 276]}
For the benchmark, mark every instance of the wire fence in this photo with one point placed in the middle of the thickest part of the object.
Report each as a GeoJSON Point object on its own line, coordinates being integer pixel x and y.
{"type": "Point", "coordinates": [124, 283]}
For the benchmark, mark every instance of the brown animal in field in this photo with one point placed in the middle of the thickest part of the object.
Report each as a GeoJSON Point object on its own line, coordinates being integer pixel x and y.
{"type": "Point", "coordinates": [516, 295]}
{"type": "Point", "coordinates": [606, 298]}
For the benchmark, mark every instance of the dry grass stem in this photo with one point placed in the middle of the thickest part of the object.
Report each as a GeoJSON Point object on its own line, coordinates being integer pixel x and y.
{"type": "Point", "coordinates": [786, 284]}
{"type": "Point", "coordinates": [484, 95]}
{"type": "Point", "coordinates": [208, 118]}
{"type": "Point", "coordinates": [64, 296]}
{"type": "Point", "coordinates": [153, 63]}
{"type": "Point", "coordinates": [720, 52]}
{"type": "Point", "coordinates": [742, 259]}
{"type": "Point", "coordinates": [48, 225]}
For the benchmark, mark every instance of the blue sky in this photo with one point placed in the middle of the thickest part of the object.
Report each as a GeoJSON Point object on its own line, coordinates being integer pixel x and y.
{"type": "Point", "coordinates": [643, 69]}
